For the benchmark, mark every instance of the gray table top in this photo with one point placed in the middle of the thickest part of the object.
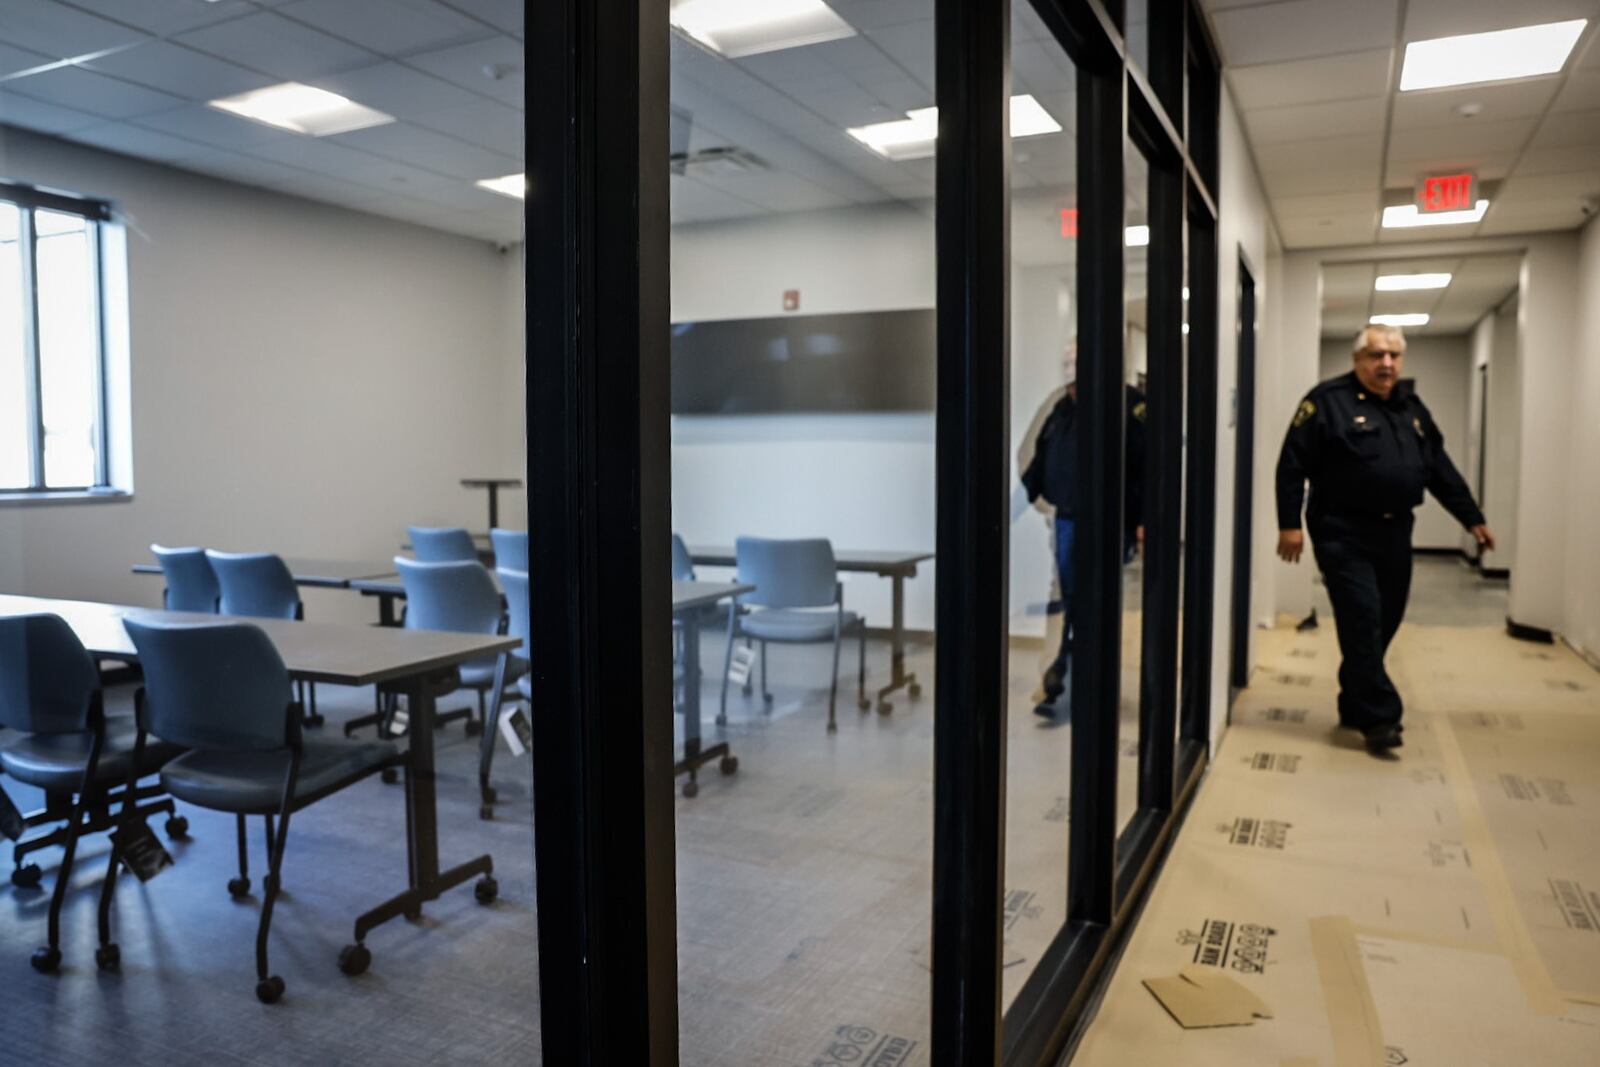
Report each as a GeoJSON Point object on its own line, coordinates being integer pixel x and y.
{"type": "Point", "coordinates": [869, 561]}
{"type": "Point", "coordinates": [686, 595]}
{"type": "Point", "coordinates": [338, 653]}
{"type": "Point", "coordinates": [326, 573]}
{"type": "Point", "coordinates": [478, 483]}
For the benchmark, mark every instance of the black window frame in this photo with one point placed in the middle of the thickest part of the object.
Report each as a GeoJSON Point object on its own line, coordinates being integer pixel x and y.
{"type": "Point", "coordinates": [599, 480]}
{"type": "Point", "coordinates": [28, 199]}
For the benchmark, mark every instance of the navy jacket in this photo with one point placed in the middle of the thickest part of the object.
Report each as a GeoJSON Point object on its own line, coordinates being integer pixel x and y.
{"type": "Point", "coordinates": [1053, 471]}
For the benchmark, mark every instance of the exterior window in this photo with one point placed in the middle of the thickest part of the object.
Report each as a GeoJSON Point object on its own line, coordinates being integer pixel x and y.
{"type": "Point", "coordinates": [52, 343]}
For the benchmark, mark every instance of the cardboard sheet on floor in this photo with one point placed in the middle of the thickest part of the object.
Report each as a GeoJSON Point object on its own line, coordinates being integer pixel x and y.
{"type": "Point", "coordinates": [1198, 998]}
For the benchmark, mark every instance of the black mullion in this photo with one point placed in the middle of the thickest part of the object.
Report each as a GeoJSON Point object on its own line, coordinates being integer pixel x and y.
{"type": "Point", "coordinates": [1165, 71]}
{"type": "Point", "coordinates": [102, 465]}
{"type": "Point", "coordinates": [599, 484]}
{"type": "Point", "coordinates": [27, 196]}
{"type": "Point", "coordinates": [1097, 652]}
{"type": "Point", "coordinates": [1200, 555]}
{"type": "Point", "coordinates": [1243, 481]}
{"type": "Point", "coordinates": [973, 474]}
{"type": "Point", "coordinates": [33, 359]}
{"type": "Point", "coordinates": [1163, 493]}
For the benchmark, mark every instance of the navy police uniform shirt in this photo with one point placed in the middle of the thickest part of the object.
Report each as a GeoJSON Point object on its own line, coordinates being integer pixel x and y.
{"type": "Point", "coordinates": [1053, 471]}
{"type": "Point", "coordinates": [1365, 456]}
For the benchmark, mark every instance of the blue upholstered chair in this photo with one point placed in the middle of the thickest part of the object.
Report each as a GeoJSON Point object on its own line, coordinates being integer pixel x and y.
{"type": "Point", "coordinates": [50, 694]}
{"type": "Point", "coordinates": [514, 583]}
{"type": "Point", "coordinates": [259, 585]}
{"type": "Point", "coordinates": [442, 544]}
{"type": "Point", "coordinates": [510, 549]}
{"type": "Point", "coordinates": [793, 580]}
{"type": "Point", "coordinates": [460, 597]}
{"type": "Point", "coordinates": [222, 691]}
{"type": "Point", "coordinates": [191, 583]}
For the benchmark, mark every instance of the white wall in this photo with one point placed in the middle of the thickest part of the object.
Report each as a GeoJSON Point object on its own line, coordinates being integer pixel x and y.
{"type": "Point", "coordinates": [306, 380]}
{"type": "Point", "coordinates": [1293, 369]}
{"type": "Point", "coordinates": [1442, 368]}
{"type": "Point", "coordinates": [866, 481]}
{"type": "Point", "coordinates": [1494, 348]}
{"type": "Point", "coordinates": [1582, 570]}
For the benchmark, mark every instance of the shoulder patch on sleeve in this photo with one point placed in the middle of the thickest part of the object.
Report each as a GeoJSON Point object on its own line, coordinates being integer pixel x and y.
{"type": "Point", "coordinates": [1305, 411]}
{"type": "Point", "coordinates": [1139, 411]}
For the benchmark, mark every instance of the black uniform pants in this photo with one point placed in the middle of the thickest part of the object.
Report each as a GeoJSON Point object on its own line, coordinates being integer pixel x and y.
{"type": "Point", "coordinates": [1366, 565]}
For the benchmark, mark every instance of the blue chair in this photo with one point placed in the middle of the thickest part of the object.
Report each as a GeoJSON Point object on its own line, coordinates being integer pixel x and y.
{"type": "Point", "coordinates": [259, 585]}
{"type": "Point", "coordinates": [50, 693]}
{"type": "Point", "coordinates": [682, 563]}
{"type": "Point", "coordinates": [510, 549]}
{"type": "Point", "coordinates": [460, 597]}
{"type": "Point", "coordinates": [792, 579]}
{"type": "Point", "coordinates": [191, 583]}
{"type": "Point", "coordinates": [222, 691]}
{"type": "Point", "coordinates": [518, 620]}
{"type": "Point", "coordinates": [442, 544]}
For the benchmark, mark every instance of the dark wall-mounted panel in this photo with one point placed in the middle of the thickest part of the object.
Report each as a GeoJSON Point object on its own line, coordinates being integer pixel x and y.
{"type": "Point", "coordinates": [860, 362]}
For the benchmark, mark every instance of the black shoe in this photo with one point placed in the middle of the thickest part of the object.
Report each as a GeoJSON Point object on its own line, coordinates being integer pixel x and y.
{"type": "Point", "coordinates": [1382, 738]}
{"type": "Point", "coordinates": [1045, 709]}
{"type": "Point", "coordinates": [1051, 685]}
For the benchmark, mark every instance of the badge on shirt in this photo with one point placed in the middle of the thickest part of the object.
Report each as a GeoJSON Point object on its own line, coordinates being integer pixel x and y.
{"type": "Point", "coordinates": [1303, 415]}
{"type": "Point", "coordinates": [1139, 410]}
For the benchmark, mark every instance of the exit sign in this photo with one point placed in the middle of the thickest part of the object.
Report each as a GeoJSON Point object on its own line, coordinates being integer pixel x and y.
{"type": "Point", "coordinates": [1447, 192]}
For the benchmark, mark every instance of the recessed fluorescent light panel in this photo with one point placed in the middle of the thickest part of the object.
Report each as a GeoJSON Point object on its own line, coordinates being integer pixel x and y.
{"type": "Point", "coordinates": [1136, 236]}
{"type": "Point", "coordinates": [513, 185]}
{"type": "Point", "coordinates": [302, 109]}
{"type": "Point", "coordinates": [737, 28]}
{"type": "Point", "coordinates": [1415, 318]}
{"type": "Point", "coordinates": [1402, 215]}
{"type": "Point", "coordinates": [1400, 283]}
{"type": "Point", "coordinates": [913, 137]}
{"type": "Point", "coordinates": [1489, 57]}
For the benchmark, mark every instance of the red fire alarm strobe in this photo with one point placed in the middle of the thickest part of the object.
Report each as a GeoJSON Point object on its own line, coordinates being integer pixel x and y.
{"type": "Point", "coordinates": [791, 300]}
{"type": "Point", "coordinates": [1447, 192]}
{"type": "Point", "coordinates": [1069, 222]}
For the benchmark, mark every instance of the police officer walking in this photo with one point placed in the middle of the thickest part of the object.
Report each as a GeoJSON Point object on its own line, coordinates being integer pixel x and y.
{"type": "Point", "coordinates": [1369, 447]}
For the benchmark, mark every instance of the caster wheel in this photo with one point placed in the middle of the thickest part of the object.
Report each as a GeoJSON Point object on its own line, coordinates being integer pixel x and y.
{"type": "Point", "coordinates": [486, 889]}
{"type": "Point", "coordinates": [729, 764]}
{"type": "Point", "coordinates": [884, 707]}
{"type": "Point", "coordinates": [914, 690]}
{"type": "Point", "coordinates": [27, 877]}
{"type": "Point", "coordinates": [864, 704]}
{"type": "Point", "coordinates": [490, 796]}
{"type": "Point", "coordinates": [389, 775]}
{"type": "Point", "coordinates": [269, 990]}
{"type": "Point", "coordinates": [315, 720]}
{"type": "Point", "coordinates": [691, 789]}
{"type": "Point", "coordinates": [485, 812]}
{"type": "Point", "coordinates": [415, 915]}
{"type": "Point", "coordinates": [473, 727]}
{"type": "Point", "coordinates": [766, 698]}
{"type": "Point", "coordinates": [833, 727]}
{"type": "Point", "coordinates": [238, 887]}
{"type": "Point", "coordinates": [46, 960]}
{"type": "Point", "coordinates": [722, 720]}
{"type": "Point", "coordinates": [108, 957]}
{"type": "Point", "coordinates": [354, 959]}
{"type": "Point", "coordinates": [178, 828]}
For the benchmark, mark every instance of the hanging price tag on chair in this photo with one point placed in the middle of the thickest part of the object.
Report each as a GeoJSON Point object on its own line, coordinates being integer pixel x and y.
{"type": "Point", "coordinates": [517, 730]}
{"type": "Point", "coordinates": [11, 823]}
{"type": "Point", "coordinates": [141, 850]}
{"type": "Point", "coordinates": [739, 666]}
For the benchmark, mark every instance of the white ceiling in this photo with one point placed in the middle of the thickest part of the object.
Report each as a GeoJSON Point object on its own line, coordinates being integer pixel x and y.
{"type": "Point", "coordinates": [1478, 285]}
{"type": "Point", "coordinates": [140, 72]}
{"type": "Point", "coordinates": [1317, 83]}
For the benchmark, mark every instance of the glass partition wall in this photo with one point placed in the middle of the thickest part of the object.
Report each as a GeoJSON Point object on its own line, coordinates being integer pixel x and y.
{"type": "Point", "coordinates": [921, 880]}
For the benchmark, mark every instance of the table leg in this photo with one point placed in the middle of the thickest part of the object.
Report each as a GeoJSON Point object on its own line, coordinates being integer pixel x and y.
{"type": "Point", "coordinates": [494, 505]}
{"type": "Point", "coordinates": [422, 827]}
{"type": "Point", "coordinates": [491, 730]}
{"type": "Point", "coordinates": [695, 757]}
{"type": "Point", "coordinates": [898, 675]}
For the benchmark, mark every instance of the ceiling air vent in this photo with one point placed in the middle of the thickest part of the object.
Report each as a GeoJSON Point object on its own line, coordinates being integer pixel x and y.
{"type": "Point", "coordinates": [720, 161]}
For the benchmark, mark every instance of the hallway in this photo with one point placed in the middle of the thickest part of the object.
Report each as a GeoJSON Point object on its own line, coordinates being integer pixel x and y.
{"type": "Point", "coordinates": [1437, 908]}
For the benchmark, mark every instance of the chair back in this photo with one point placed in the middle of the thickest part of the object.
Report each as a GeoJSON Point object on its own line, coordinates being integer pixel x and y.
{"type": "Point", "coordinates": [515, 584]}
{"type": "Point", "coordinates": [47, 677]}
{"type": "Point", "coordinates": [212, 685]}
{"type": "Point", "coordinates": [682, 564]}
{"type": "Point", "coordinates": [510, 549]}
{"type": "Point", "coordinates": [255, 583]}
{"type": "Point", "coordinates": [459, 596]}
{"type": "Point", "coordinates": [442, 544]}
{"type": "Point", "coordinates": [191, 583]}
{"type": "Point", "coordinates": [797, 573]}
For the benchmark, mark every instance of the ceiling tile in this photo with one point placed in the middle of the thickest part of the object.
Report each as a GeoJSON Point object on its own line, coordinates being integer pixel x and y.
{"type": "Point", "coordinates": [1497, 103]}
{"type": "Point", "coordinates": [1346, 153]}
{"type": "Point", "coordinates": [1403, 173]}
{"type": "Point", "coordinates": [1343, 77]}
{"type": "Point", "coordinates": [140, 143]}
{"type": "Point", "coordinates": [1532, 222]}
{"type": "Point", "coordinates": [1303, 29]}
{"type": "Point", "coordinates": [1559, 160]}
{"type": "Point", "coordinates": [179, 70]}
{"type": "Point", "coordinates": [390, 27]}
{"type": "Point", "coordinates": [163, 17]}
{"type": "Point", "coordinates": [31, 114]}
{"type": "Point", "coordinates": [209, 126]}
{"type": "Point", "coordinates": [275, 45]}
{"type": "Point", "coordinates": [61, 32]}
{"type": "Point", "coordinates": [1312, 182]}
{"type": "Point", "coordinates": [484, 123]}
{"type": "Point", "coordinates": [233, 166]}
{"type": "Point", "coordinates": [468, 66]}
{"type": "Point", "coordinates": [15, 59]}
{"type": "Point", "coordinates": [1580, 92]}
{"type": "Point", "coordinates": [97, 94]}
{"type": "Point", "coordinates": [1426, 19]}
{"type": "Point", "coordinates": [1313, 207]}
{"type": "Point", "coordinates": [1567, 128]}
{"type": "Point", "coordinates": [397, 90]}
{"type": "Point", "coordinates": [1336, 118]}
{"type": "Point", "coordinates": [1467, 139]}
{"type": "Point", "coordinates": [1306, 234]}
{"type": "Point", "coordinates": [506, 15]}
{"type": "Point", "coordinates": [1550, 189]}
{"type": "Point", "coordinates": [431, 151]}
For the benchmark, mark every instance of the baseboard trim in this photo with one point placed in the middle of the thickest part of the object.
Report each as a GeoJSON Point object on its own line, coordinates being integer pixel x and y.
{"type": "Point", "coordinates": [1523, 632]}
{"type": "Point", "coordinates": [1441, 552]}
{"type": "Point", "coordinates": [1499, 574]}
{"type": "Point", "coordinates": [913, 637]}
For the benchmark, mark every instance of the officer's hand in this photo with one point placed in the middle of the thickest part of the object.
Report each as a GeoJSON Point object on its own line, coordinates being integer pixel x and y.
{"type": "Point", "coordinates": [1290, 544]}
{"type": "Point", "coordinates": [1484, 535]}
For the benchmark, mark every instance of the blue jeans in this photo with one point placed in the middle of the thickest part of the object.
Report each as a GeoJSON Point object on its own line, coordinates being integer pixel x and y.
{"type": "Point", "coordinates": [1066, 535]}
